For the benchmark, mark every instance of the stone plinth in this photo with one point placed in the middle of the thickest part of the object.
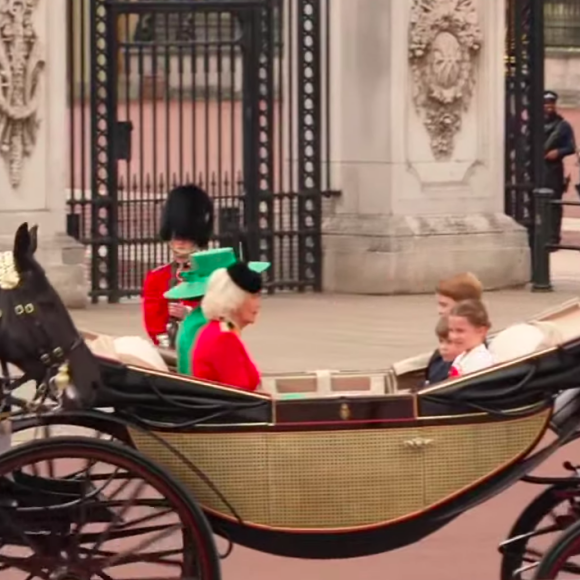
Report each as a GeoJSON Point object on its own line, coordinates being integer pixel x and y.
{"type": "Point", "coordinates": [410, 254]}
{"type": "Point", "coordinates": [418, 148]}
{"type": "Point", "coordinates": [33, 166]}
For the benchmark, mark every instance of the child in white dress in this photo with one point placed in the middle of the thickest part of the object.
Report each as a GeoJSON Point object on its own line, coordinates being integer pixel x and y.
{"type": "Point", "coordinates": [468, 327]}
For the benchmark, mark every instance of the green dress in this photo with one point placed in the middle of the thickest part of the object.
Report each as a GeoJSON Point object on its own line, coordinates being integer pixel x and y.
{"type": "Point", "coordinates": [188, 331]}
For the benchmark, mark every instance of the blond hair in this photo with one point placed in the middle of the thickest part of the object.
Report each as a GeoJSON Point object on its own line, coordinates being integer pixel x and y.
{"type": "Point", "coordinates": [223, 298]}
{"type": "Point", "coordinates": [464, 286]}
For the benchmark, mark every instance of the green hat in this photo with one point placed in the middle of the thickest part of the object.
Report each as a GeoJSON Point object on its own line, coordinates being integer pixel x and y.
{"type": "Point", "coordinates": [203, 265]}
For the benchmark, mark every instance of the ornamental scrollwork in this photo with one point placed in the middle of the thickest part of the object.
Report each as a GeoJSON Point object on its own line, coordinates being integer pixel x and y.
{"type": "Point", "coordinates": [444, 40]}
{"type": "Point", "coordinates": [21, 64]}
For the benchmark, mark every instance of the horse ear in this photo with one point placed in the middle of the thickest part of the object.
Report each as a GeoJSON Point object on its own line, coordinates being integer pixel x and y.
{"type": "Point", "coordinates": [33, 232]}
{"type": "Point", "coordinates": [22, 244]}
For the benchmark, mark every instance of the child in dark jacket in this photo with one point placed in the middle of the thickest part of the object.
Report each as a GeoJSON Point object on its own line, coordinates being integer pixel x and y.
{"type": "Point", "coordinates": [442, 359]}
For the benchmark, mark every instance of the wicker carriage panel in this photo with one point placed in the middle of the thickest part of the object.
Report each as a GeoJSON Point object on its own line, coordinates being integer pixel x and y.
{"type": "Point", "coordinates": [339, 479]}
{"type": "Point", "coordinates": [344, 478]}
{"type": "Point", "coordinates": [237, 465]}
{"type": "Point", "coordinates": [458, 456]}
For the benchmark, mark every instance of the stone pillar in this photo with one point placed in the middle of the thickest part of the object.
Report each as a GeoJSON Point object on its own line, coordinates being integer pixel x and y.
{"type": "Point", "coordinates": [34, 140]}
{"type": "Point", "coordinates": [418, 148]}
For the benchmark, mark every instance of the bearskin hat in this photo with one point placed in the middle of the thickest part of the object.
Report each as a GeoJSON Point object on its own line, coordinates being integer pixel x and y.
{"type": "Point", "coordinates": [187, 215]}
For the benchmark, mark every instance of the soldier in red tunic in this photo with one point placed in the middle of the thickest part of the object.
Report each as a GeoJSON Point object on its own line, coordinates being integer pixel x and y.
{"type": "Point", "coordinates": [187, 225]}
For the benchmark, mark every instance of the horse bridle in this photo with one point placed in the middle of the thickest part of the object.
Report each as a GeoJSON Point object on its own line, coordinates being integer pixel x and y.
{"type": "Point", "coordinates": [54, 357]}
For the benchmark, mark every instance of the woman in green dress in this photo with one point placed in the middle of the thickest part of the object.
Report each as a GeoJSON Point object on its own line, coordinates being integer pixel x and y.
{"type": "Point", "coordinates": [193, 287]}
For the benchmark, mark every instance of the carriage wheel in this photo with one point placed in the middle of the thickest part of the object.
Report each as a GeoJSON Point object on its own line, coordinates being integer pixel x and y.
{"type": "Point", "coordinates": [119, 517]}
{"type": "Point", "coordinates": [51, 430]}
{"type": "Point", "coordinates": [551, 512]}
{"type": "Point", "coordinates": [562, 559]}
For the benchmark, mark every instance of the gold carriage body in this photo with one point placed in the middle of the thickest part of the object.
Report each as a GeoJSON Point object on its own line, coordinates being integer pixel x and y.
{"type": "Point", "coordinates": [335, 475]}
{"type": "Point", "coordinates": [349, 465]}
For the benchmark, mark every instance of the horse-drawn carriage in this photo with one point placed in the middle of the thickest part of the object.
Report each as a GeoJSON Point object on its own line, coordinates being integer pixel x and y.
{"type": "Point", "coordinates": [315, 476]}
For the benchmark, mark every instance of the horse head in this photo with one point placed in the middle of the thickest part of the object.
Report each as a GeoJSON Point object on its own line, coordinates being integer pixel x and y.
{"type": "Point", "coordinates": [37, 333]}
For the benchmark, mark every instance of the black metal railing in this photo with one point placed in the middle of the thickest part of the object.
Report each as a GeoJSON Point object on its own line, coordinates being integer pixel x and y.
{"type": "Point", "coordinates": [524, 117]}
{"type": "Point", "coordinates": [232, 95]}
{"type": "Point", "coordinates": [545, 205]}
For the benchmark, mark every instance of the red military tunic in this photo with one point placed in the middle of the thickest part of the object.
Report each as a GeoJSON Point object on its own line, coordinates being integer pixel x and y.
{"type": "Point", "coordinates": [155, 305]}
{"type": "Point", "coordinates": [219, 355]}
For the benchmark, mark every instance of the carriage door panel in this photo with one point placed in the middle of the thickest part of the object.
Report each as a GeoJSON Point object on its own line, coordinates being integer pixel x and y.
{"type": "Point", "coordinates": [448, 461]}
{"type": "Point", "coordinates": [458, 457]}
{"type": "Point", "coordinates": [343, 478]}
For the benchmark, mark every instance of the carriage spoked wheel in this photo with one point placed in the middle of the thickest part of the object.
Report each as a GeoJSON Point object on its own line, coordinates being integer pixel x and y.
{"type": "Point", "coordinates": [40, 432]}
{"type": "Point", "coordinates": [82, 509]}
{"type": "Point", "coordinates": [544, 519]}
{"type": "Point", "coordinates": [562, 560]}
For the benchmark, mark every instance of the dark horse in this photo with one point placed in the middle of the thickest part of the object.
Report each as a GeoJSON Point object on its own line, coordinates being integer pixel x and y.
{"type": "Point", "coordinates": [37, 333]}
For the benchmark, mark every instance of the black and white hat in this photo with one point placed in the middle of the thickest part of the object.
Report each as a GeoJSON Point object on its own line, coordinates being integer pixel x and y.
{"type": "Point", "coordinates": [550, 96]}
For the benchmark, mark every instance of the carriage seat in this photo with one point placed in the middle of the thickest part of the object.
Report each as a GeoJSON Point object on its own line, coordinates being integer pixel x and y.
{"type": "Point", "coordinates": [326, 383]}
{"type": "Point", "coordinates": [521, 340]}
{"type": "Point", "coordinates": [129, 350]}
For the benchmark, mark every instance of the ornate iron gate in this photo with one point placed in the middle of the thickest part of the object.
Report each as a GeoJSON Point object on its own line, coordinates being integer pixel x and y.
{"type": "Point", "coordinates": [228, 94]}
{"type": "Point", "coordinates": [524, 119]}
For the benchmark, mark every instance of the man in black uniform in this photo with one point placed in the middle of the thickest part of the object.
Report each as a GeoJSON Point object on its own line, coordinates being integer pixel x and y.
{"type": "Point", "coordinates": [559, 142]}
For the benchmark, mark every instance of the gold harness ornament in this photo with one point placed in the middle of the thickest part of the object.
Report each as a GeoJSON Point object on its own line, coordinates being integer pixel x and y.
{"type": "Point", "coordinates": [9, 277]}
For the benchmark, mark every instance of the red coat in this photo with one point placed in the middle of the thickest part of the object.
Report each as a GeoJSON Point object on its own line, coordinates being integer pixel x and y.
{"type": "Point", "coordinates": [220, 356]}
{"type": "Point", "coordinates": [155, 306]}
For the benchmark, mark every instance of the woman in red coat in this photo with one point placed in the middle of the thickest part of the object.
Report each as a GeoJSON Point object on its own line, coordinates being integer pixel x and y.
{"type": "Point", "coordinates": [231, 302]}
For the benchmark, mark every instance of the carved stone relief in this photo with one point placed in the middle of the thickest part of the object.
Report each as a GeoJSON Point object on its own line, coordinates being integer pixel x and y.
{"type": "Point", "coordinates": [444, 39]}
{"type": "Point", "coordinates": [21, 64]}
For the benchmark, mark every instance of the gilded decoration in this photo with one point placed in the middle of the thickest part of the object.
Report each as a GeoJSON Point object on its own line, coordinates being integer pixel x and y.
{"type": "Point", "coordinates": [9, 278]}
{"type": "Point", "coordinates": [444, 40]}
{"type": "Point", "coordinates": [21, 63]}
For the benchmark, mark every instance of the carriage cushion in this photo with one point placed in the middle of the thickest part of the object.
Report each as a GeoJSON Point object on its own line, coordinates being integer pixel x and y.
{"type": "Point", "coordinates": [521, 340]}
{"type": "Point", "coordinates": [130, 350]}
{"type": "Point", "coordinates": [137, 351]}
{"type": "Point", "coordinates": [102, 345]}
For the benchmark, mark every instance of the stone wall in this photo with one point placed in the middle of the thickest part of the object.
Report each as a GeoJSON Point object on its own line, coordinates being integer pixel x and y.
{"type": "Point", "coordinates": [562, 74]}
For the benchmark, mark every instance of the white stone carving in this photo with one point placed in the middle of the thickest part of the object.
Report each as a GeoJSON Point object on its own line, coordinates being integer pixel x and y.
{"type": "Point", "coordinates": [444, 39]}
{"type": "Point", "coordinates": [21, 64]}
